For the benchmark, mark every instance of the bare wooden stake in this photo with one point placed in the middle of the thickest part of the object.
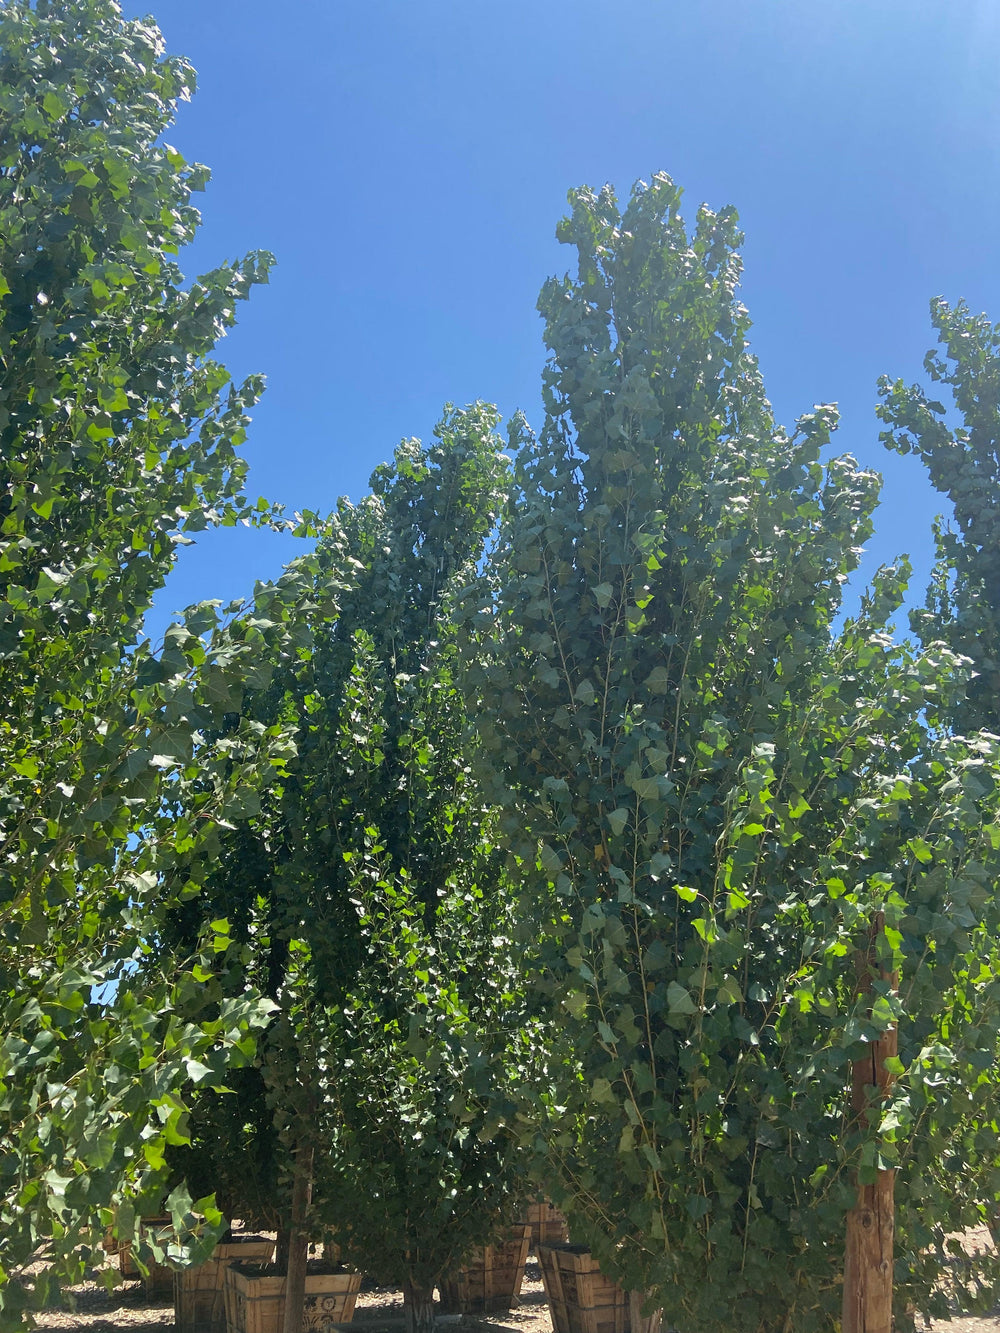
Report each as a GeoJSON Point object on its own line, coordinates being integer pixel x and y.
{"type": "Point", "coordinates": [871, 1222]}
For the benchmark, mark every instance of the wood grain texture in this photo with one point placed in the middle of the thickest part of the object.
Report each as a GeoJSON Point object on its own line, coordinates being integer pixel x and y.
{"type": "Point", "coordinates": [868, 1251]}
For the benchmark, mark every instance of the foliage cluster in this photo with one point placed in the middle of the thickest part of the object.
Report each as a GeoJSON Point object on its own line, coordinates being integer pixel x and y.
{"type": "Point", "coordinates": [117, 432]}
{"type": "Point", "coordinates": [367, 885]}
{"type": "Point", "coordinates": [720, 788]}
{"type": "Point", "coordinates": [963, 604]}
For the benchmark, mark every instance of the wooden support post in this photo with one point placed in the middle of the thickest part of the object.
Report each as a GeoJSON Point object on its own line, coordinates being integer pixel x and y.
{"type": "Point", "coordinates": [298, 1242]}
{"type": "Point", "coordinates": [871, 1222]}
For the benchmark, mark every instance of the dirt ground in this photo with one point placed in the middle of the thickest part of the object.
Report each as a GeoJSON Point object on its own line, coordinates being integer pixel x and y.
{"type": "Point", "coordinates": [127, 1310]}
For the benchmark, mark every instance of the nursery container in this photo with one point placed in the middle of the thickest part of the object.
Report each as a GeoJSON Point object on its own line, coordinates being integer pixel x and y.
{"type": "Point", "coordinates": [255, 1297]}
{"type": "Point", "coordinates": [199, 1293]}
{"type": "Point", "coordinates": [548, 1226]}
{"type": "Point", "coordinates": [581, 1299]}
{"type": "Point", "coordinates": [490, 1281]}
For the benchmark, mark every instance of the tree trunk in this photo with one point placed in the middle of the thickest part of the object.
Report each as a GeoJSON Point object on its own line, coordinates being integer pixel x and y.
{"type": "Point", "coordinates": [281, 1250]}
{"type": "Point", "coordinates": [418, 1306]}
{"type": "Point", "coordinates": [298, 1242]}
{"type": "Point", "coordinates": [639, 1322]}
{"type": "Point", "coordinates": [871, 1222]}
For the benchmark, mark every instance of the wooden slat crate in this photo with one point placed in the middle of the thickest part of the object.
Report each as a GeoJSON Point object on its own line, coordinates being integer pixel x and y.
{"type": "Point", "coordinates": [159, 1281]}
{"type": "Point", "coordinates": [548, 1226]}
{"type": "Point", "coordinates": [491, 1279]}
{"type": "Point", "coordinates": [199, 1293]}
{"type": "Point", "coordinates": [255, 1298]}
{"type": "Point", "coordinates": [581, 1299]}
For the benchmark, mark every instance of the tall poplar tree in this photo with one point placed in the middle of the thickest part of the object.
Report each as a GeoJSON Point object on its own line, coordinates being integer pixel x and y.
{"type": "Point", "coordinates": [118, 433]}
{"type": "Point", "coordinates": [738, 821]}
{"type": "Point", "coordinates": [368, 888]}
{"type": "Point", "coordinates": [957, 440]}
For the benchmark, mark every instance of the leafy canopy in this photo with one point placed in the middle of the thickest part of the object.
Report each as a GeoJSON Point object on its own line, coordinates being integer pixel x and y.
{"type": "Point", "coordinates": [712, 790]}
{"type": "Point", "coordinates": [963, 604]}
{"type": "Point", "coordinates": [366, 883]}
{"type": "Point", "coordinates": [118, 433]}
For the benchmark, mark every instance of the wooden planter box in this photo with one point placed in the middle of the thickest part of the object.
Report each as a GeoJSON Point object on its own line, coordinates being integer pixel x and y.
{"type": "Point", "coordinates": [548, 1226]}
{"type": "Point", "coordinates": [159, 1281]}
{"type": "Point", "coordinates": [255, 1297]}
{"type": "Point", "coordinates": [581, 1299]}
{"type": "Point", "coordinates": [491, 1279]}
{"type": "Point", "coordinates": [199, 1293]}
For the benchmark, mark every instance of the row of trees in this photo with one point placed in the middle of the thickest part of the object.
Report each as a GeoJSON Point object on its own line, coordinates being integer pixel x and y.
{"type": "Point", "coordinates": [549, 823]}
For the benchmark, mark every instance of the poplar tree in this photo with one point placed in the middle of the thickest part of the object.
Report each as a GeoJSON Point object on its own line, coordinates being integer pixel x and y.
{"type": "Point", "coordinates": [750, 851]}
{"type": "Point", "coordinates": [118, 434]}
{"type": "Point", "coordinates": [367, 886]}
{"type": "Point", "coordinates": [957, 441]}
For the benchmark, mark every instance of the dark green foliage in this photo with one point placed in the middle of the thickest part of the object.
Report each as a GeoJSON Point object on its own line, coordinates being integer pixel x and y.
{"type": "Point", "coordinates": [234, 1152]}
{"type": "Point", "coordinates": [712, 789]}
{"type": "Point", "coordinates": [422, 1108]}
{"type": "Point", "coordinates": [428, 1020]}
{"type": "Point", "coordinates": [366, 884]}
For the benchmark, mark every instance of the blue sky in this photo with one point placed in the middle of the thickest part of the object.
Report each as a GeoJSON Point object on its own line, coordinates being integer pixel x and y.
{"type": "Point", "coordinates": [407, 161]}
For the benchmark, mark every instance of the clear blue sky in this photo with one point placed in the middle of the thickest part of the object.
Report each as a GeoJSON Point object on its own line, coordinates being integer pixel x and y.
{"type": "Point", "coordinates": [407, 161]}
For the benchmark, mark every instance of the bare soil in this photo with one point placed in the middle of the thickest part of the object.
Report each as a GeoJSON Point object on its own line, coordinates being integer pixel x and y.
{"type": "Point", "coordinates": [379, 1310]}
{"type": "Point", "coordinates": [127, 1309]}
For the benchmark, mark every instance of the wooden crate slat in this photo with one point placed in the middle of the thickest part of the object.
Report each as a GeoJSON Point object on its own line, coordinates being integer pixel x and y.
{"type": "Point", "coordinates": [255, 1302]}
{"type": "Point", "coordinates": [491, 1279]}
{"type": "Point", "coordinates": [548, 1225]}
{"type": "Point", "coordinates": [581, 1299]}
{"type": "Point", "coordinates": [199, 1293]}
{"type": "Point", "coordinates": [552, 1282]}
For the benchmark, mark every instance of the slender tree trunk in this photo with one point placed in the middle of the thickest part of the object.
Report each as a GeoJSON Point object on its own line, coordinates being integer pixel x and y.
{"type": "Point", "coordinates": [871, 1222]}
{"type": "Point", "coordinates": [639, 1322]}
{"type": "Point", "coordinates": [418, 1306]}
{"type": "Point", "coordinates": [281, 1250]}
{"type": "Point", "coordinates": [298, 1242]}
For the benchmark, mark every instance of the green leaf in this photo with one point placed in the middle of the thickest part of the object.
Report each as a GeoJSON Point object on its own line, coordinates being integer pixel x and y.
{"type": "Point", "coordinates": [585, 693]}
{"type": "Point", "coordinates": [658, 680]}
{"type": "Point", "coordinates": [678, 1000]}
{"type": "Point", "coordinates": [54, 105]}
{"type": "Point", "coordinates": [617, 821]}
{"type": "Point", "coordinates": [196, 1071]}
